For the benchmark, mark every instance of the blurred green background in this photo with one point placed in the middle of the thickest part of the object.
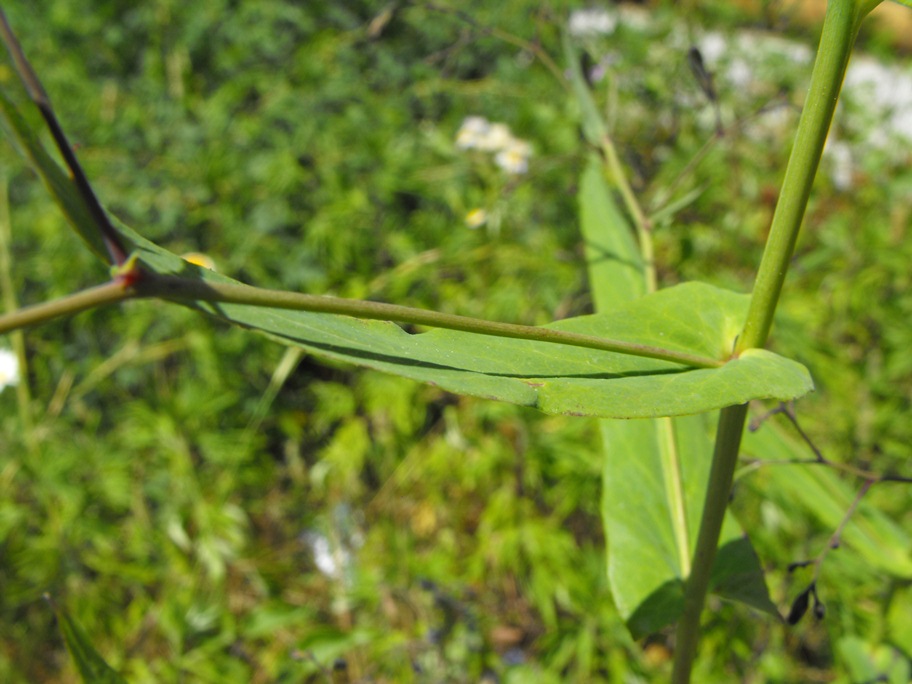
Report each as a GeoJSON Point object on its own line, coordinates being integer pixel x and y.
{"type": "Point", "coordinates": [211, 507]}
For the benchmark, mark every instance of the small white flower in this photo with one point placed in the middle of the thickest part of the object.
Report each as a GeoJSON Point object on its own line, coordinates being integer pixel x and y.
{"type": "Point", "coordinates": [9, 368]}
{"type": "Point", "coordinates": [592, 22]}
{"type": "Point", "coordinates": [515, 157]}
{"type": "Point", "coordinates": [886, 93]}
{"type": "Point", "coordinates": [497, 137]}
{"type": "Point", "coordinates": [472, 132]}
{"type": "Point", "coordinates": [713, 47]}
{"type": "Point", "coordinates": [512, 154]}
{"type": "Point", "coordinates": [325, 559]}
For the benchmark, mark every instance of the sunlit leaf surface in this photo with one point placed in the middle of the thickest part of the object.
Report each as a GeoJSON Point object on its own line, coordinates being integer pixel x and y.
{"type": "Point", "coordinates": [553, 378]}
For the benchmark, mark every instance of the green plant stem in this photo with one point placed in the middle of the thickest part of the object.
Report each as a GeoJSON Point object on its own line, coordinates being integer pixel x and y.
{"type": "Point", "coordinates": [184, 289]}
{"type": "Point", "coordinates": [640, 222]}
{"type": "Point", "coordinates": [840, 27]}
{"type": "Point", "coordinates": [114, 291]}
{"type": "Point", "coordinates": [687, 635]}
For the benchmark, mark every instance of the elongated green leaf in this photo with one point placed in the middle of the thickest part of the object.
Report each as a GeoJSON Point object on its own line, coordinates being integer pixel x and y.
{"type": "Point", "coordinates": [615, 267]}
{"type": "Point", "coordinates": [647, 561]}
{"type": "Point", "coordinates": [655, 471]}
{"type": "Point", "coordinates": [822, 493]}
{"type": "Point", "coordinates": [553, 378]}
{"type": "Point", "coordinates": [644, 561]}
{"type": "Point", "coordinates": [92, 667]}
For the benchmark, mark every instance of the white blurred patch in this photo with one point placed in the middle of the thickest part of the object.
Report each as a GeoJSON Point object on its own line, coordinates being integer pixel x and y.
{"type": "Point", "coordinates": [877, 98]}
{"type": "Point", "coordinates": [334, 553]}
{"type": "Point", "coordinates": [588, 22]}
{"type": "Point", "coordinates": [332, 562]}
{"type": "Point", "coordinates": [510, 153]}
{"type": "Point", "coordinates": [886, 92]}
{"type": "Point", "coordinates": [839, 156]}
{"type": "Point", "coordinates": [9, 369]}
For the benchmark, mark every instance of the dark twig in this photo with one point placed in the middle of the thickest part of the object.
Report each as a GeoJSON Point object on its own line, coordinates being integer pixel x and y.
{"type": "Point", "coordinates": [757, 421]}
{"type": "Point", "coordinates": [788, 410]}
{"type": "Point", "coordinates": [35, 90]}
{"type": "Point", "coordinates": [800, 604]}
{"type": "Point", "coordinates": [705, 81]}
{"type": "Point", "coordinates": [835, 539]}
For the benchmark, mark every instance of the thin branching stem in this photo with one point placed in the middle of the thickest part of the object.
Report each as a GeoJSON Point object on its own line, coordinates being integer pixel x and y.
{"type": "Point", "coordinates": [835, 539]}
{"type": "Point", "coordinates": [531, 47]}
{"type": "Point", "coordinates": [92, 298]}
{"type": "Point", "coordinates": [787, 410]}
{"type": "Point", "coordinates": [800, 604]}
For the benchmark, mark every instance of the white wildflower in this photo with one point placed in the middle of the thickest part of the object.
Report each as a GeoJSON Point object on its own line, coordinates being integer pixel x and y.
{"type": "Point", "coordinates": [740, 74]}
{"type": "Point", "coordinates": [588, 22]}
{"type": "Point", "coordinates": [498, 137]}
{"type": "Point", "coordinates": [515, 157]}
{"type": "Point", "coordinates": [886, 93]}
{"type": "Point", "coordinates": [9, 368]}
{"type": "Point", "coordinates": [512, 154]}
{"type": "Point", "coordinates": [713, 46]}
{"type": "Point", "coordinates": [473, 131]}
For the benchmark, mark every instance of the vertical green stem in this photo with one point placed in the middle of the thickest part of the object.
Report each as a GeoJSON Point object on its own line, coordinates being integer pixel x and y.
{"type": "Point", "coordinates": [725, 458]}
{"type": "Point", "coordinates": [840, 27]}
{"type": "Point", "coordinates": [640, 222]}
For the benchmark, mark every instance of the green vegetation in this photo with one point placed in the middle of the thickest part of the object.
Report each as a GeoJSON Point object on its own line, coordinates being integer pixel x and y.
{"type": "Point", "coordinates": [210, 506]}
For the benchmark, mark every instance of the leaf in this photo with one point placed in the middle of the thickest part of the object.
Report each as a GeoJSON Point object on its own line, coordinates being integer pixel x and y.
{"type": "Point", "coordinates": [651, 538]}
{"type": "Point", "coordinates": [553, 378]}
{"type": "Point", "coordinates": [655, 471]}
{"type": "Point", "coordinates": [92, 667]}
{"type": "Point", "coordinates": [615, 267]}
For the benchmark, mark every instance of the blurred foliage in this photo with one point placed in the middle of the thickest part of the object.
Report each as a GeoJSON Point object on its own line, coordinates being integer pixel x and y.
{"type": "Point", "coordinates": [364, 522]}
